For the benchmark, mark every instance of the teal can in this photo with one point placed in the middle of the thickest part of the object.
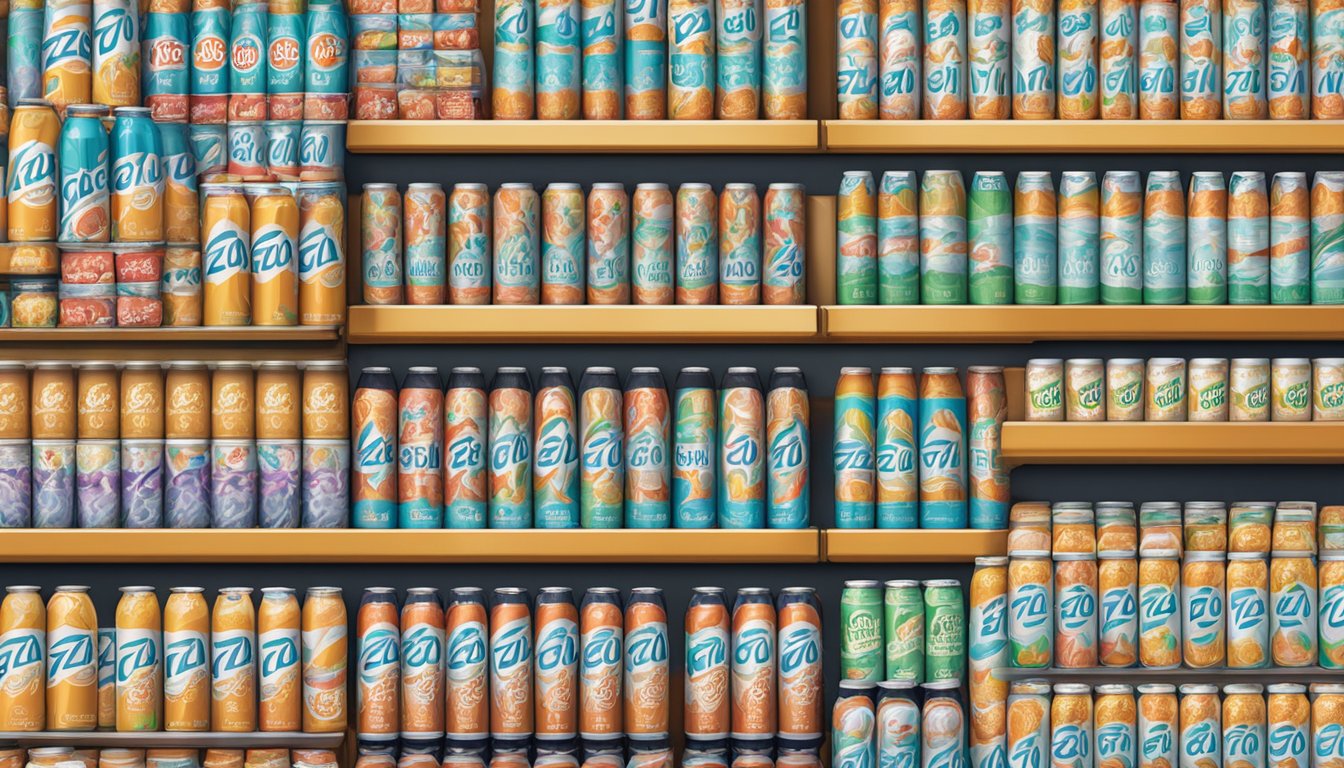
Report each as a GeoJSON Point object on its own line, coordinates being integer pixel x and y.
{"type": "Point", "coordinates": [856, 239]}
{"type": "Point", "coordinates": [1163, 239]}
{"type": "Point", "coordinates": [1206, 268]}
{"type": "Point", "coordinates": [898, 238]}
{"type": "Point", "coordinates": [1247, 239]}
{"type": "Point", "coordinates": [1289, 239]}
{"type": "Point", "coordinates": [1121, 238]}
{"type": "Point", "coordinates": [1079, 238]}
{"type": "Point", "coordinates": [1035, 239]}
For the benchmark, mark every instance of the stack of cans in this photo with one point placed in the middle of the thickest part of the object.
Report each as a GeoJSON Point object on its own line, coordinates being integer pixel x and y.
{"type": "Point", "coordinates": [606, 457]}
{"type": "Point", "coordinates": [417, 59]}
{"type": "Point", "coordinates": [280, 757]}
{"type": "Point", "coordinates": [1243, 240]}
{"type": "Point", "coordinates": [425, 247]}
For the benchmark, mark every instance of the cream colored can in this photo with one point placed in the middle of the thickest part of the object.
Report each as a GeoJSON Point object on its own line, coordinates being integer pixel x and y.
{"type": "Point", "coordinates": [1165, 385]}
{"type": "Point", "coordinates": [1124, 389]}
{"type": "Point", "coordinates": [1084, 390]}
{"type": "Point", "coordinates": [1045, 390]}
{"type": "Point", "coordinates": [1290, 389]}
{"type": "Point", "coordinates": [1208, 389]}
{"type": "Point", "coordinates": [1249, 379]}
{"type": "Point", "coordinates": [1327, 389]}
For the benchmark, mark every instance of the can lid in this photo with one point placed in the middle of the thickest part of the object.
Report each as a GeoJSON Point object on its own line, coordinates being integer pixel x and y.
{"type": "Point", "coordinates": [893, 584]}
{"type": "Point", "coordinates": [939, 370]}
{"type": "Point", "coordinates": [423, 591]}
{"type": "Point", "coordinates": [1205, 505]}
{"type": "Point", "coordinates": [651, 186]}
{"type": "Point", "coordinates": [239, 590]}
{"type": "Point", "coordinates": [1072, 688]}
{"type": "Point", "coordinates": [563, 185]}
{"type": "Point", "coordinates": [1045, 361]}
{"type": "Point", "coordinates": [646, 591]}
{"type": "Point", "coordinates": [708, 590]}
{"type": "Point", "coordinates": [332, 365]}
{"type": "Point", "coordinates": [466, 369]}
{"type": "Point", "coordinates": [599, 369]}
{"type": "Point", "coordinates": [603, 590]}
{"type": "Point", "coordinates": [985, 369]}
{"type": "Point", "coordinates": [1250, 361]}
{"type": "Point", "coordinates": [1124, 361]}
{"type": "Point", "coordinates": [376, 369]}
{"type": "Point", "coordinates": [511, 369]}
{"type": "Point", "coordinates": [897, 370]}
{"type": "Point", "coordinates": [1166, 361]}
{"type": "Point", "coordinates": [72, 588]}
{"type": "Point", "coordinates": [1197, 688]}
{"type": "Point", "coordinates": [1290, 361]}
{"type": "Point", "coordinates": [23, 588]}
{"type": "Point", "coordinates": [1248, 556]}
{"type": "Point", "coordinates": [785, 185]}
{"type": "Point", "coordinates": [233, 365]}
{"type": "Point", "coordinates": [788, 369]}
{"type": "Point", "coordinates": [323, 591]}
{"type": "Point", "coordinates": [941, 583]}
{"type": "Point", "coordinates": [855, 685]}
{"type": "Point", "coordinates": [95, 365]}
{"type": "Point", "coordinates": [277, 590]}
{"type": "Point", "coordinates": [861, 584]}
{"type": "Point", "coordinates": [896, 684]}
{"type": "Point", "coordinates": [380, 590]}
{"type": "Point", "coordinates": [741, 369]}
{"type": "Point", "coordinates": [609, 185]}
{"type": "Point", "coordinates": [1161, 554]}
{"type": "Point", "coordinates": [859, 173]}
{"type": "Point", "coordinates": [797, 591]}
{"type": "Point", "coordinates": [186, 365]}
{"type": "Point", "coordinates": [554, 369]}
{"type": "Point", "coordinates": [753, 591]}
{"type": "Point", "coordinates": [1332, 361]}
{"type": "Point", "coordinates": [1075, 557]}
{"type": "Point", "coordinates": [555, 591]}
{"type": "Point", "coordinates": [1205, 557]}
{"type": "Point", "coordinates": [378, 185]}
{"type": "Point", "coordinates": [856, 371]}
{"type": "Point", "coordinates": [1083, 361]}
{"type": "Point", "coordinates": [1030, 554]}
{"type": "Point", "coordinates": [186, 590]}
{"type": "Point", "coordinates": [470, 186]}
{"type": "Point", "coordinates": [131, 111]}
{"type": "Point", "coordinates": [943, 685]}
{"type": "Point", "coordinates": [423, 369]}
{"type": "Point", "coordinates": [995, 561]}
{"type": "Point", "coordinates": [689, 369]}
{"type": "Point", "coordinates": [1255, 688]}
{"type": "Point", "coordinates": [695, 186]}
{"type": "Point", "coordinates": [1285, 554]}
{"type": "Point", "coordinates": [1328, 555]}
{"type": "Point", "coordinates": [1157, 688]}
{"type": "Point", "coordinates": [646, 369]}
{"type": "Point", "coordinates": [1208, 361]}
{"type": "Point", "coordinates": [1286, 688]}
{"type": "Point", "coordinates": [135, 589]}
{"type": "Point", "coordinates": [1107, 689]}
{"type": "Point", "coordinates": [1033, 686]}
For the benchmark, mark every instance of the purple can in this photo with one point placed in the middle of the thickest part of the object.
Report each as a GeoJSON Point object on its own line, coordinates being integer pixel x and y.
{"type": "Point", "coordinates": [233, 484]}
{"type": "Point", "coordinates": [166, 75]}
{"type": "Point", "coordinates": [187, 495]}
{"type": "Point", "coordinates": [326, 483]}
{"type": "Point", "coordinates": [278, 467]}
{"type": "Point", "coordinates": [142, 484]}
{"type": "Point", "coordinates": [282, 148]}
{"type": "Point", "coordinates": [209, 144]}
{"type": "Point", "coordinates": [98, 483]}
{"type": "Point", "coordinates": [53, 483]}
{"type": "Point", "coordinates": [16, 484]}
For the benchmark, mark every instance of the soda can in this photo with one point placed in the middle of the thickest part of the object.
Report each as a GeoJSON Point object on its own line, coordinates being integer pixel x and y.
{"type": "Point", "coordinates": [1166, 387]}
{"type": "Point", "coordinates": [1158, 67]}
{"type": "Point", "coordinates": [1207, 272]}
{"type": "Point", "coordinates": [1084, 388]}
{"type": "Point", "coordinates": [1327, 49]}
{"type": "Point", "coordinates": [942, 235]}
{"type": "Point", "coordinates": [425, 244]}
{"type": "Point", "coordinates": [1118, 76]}
{"type": "Point", "coordinates": [784, 258]}
{"type": "Point", "coordinates": [1243, 83]}
{"type": "Point", "coordinates": [897, 239]}
{"type": "Point", "coordinates": [53, 483]}
{"type": "Point", "coordinates": [24, 54]}
{"type": "Point", "coordinates": [1331, 605]}
{"type": "Point", "coordinates": [707, 715]}
{"type": "Point", "coordinates": [33, 198]}
{"type": "Point", "coordinates": [989, 35]}
{"type": "Point", "coordinates": [1077, 70]}
{"type": "Point", "coordinates": [897, 491]}
{"type": "Point", "coordinates": [742, 467]}
{"type": "Point", "coordinates": [740, 245]}
{"type": "Point", "coordinates": [697, 241]}
{"type": "Point", "coordinates": [1121, 238]}
{"type": "Point", "coordinates": [166, 63]}
{"type": "Point", "coordinates": [107, 677]}
{"type": "Point", "coordinates": [690, 87]}
{"type": "Point", "coordinates": [278, 648]}
{"type": "Point", "coordinates": [1201, 734]}
{"type": "Point", "coordinates": [1115, 725]}
{"type": "Point", "coordinates": [84, 175]}
{"type": "Point", "coordinates": [324, 660]}
{"type": "Point", "coordinates": [1244, 726]}
{"type": "Point", "coordinates": [233, 483]}
{"type": "Point", "coordinates": [694, 445]}
{"type": "Point", "coordinates": [139, 654]}
{"type": "Point", "coordinates": [557, 665]}
{"type": "Point", "coordinates": [800, 657]}
{"type": "Point", "coordinates": [209, 145]}
{"type": "Point", "coordinates": [1203, 610]}
{"type": "Point", "coordinates": [646, 666]}
{"type": "Point", "coordinates": [23, 626]}
{"type": "Point", "coordinates": [989, 225]}
{"type": "Point", "coordinates": [1201, 57]}
{"type": "Point", "coordinates": [1249, 380]}
{"type": "Point", "coordinates": [787, 424]}
{"type": "Point", "coordinates": [987, 477]}
{"type": "Point", "coordinates": [942, 450]}
{"type": "Point", "coordinates": [853, 448]}
{"type": "Point", "coordinates": [1288, 725]}
{"type": "Point", "coordinates": [226, 227]}
{"type": "Point", "coordinates": [181, 220]}
{"type": "Point", "coordinates": [512, 97]}
{"type": "Point", "coordinates": [645, 60]}
{"type": "Point", "coordinates": [1159, 610]}
{"type": "Point", "coordinates": [321, 253]}
{"type": "Point", "coordinates": [465, 419]}
{"type": "Point", "coordinates": [274, 236]}
{"type": "Point", "coordinates": [1071, 723]}
{"type": "Point", "coordinates": [602, 468]}
{"type": "Point", "coordinates": [988, 654]}
{"type": "Point", "coordinates": [648, 471]}
{"type": "Point", "coordinates": [1079, 233]}
{"type": "Point", "coordinates": [249, 65]}
{"type": "Point", "coordinates": [1208, 390]}
{"type": "Point", "coordinates": [897, 723]}
{"type": "Point", "coordinates": [738, 32]}
{"type": "Point", "coordinates": [1158, 725]}
{"type": "Point", "coordinates": [602, 640]}
{"type": "Point", "coordinates": [1033, 60]}
{"type": "Point", "coordinates": [380, 235]}
{"type": "Point", "coordinates": [1288, 53]}
{"type": "Point", "coordinates": [378, 672]}
{"type": "Point", "coordinates": [559, 65]}
{"type": "Point", "coordinates": [857, 62]}
{"type": "Point", "coordinates": [1076, 634]}
{"type": "Point", "coordinates": [602, 67]}
{"type": "Point", "coordinates": [608, 264]}
{"type": "Point", "coordinates": [1118, 585]}
{"type": "Point", "coordinates": [469, 267]}
{"type": "Point", "coordinates": [285, 39]}
{"type": "Point", "coordinates": [186, 683]}
{"type": "Point", "coordinates": [1327, 254]}
{"type": "Point", "coordinates": [556, 452]}
{"type": "Point", "coordinates": [419, 446]}
{"type": "Point", "coordinates": [72, 664]}
{"type": "Point", "coordinates": [944, 630]}
{"type": "Point", "coordinates": [326, 71]}
{"type": "Point", "coordinates": [943, 725]}
{"type": "Point", "coordinates": [510, 435]}
{"type": "Point", "coordinates": [861, 631]}
{"type": "Point", "coordinates": [902, 627]}
{"type": "Point", "coordinates": [1028, 723]}
{"type": "Point", "coordinates": [468, 679]}
{"type": "Point", "coordinates": [1164, 227]}
{"type": "Point", "coordinates": [944, 60]}
{"type": "Point", "coordinates": [651, 245]}
{"type": "Point", "coordinates": [422, 665]}
{"type": "Point", "coordinates": [753, 689]}
{"type": "Point", "coordinates": [1290, 389]}
{"type": "Point", "coordinates": [856, 234]}
{"type": "Point", "coordinates": [66, 55]}
{"type": "Point", "coordinates": [116, 54]}
{"type": "Point", "coordinates": [233, 654]}
{"type": "Point", "coordinates": [1248, 239]}
{"type": "Point", "coordinates": [562, 244]}
{"type": "Point", "coordinates": [16, 461]}
{"type": "Point", "coordinates": [784, 75]}
{"type": "Point", "coordinates": [1293, 609]}
{"type": "Point", "coordinates": [510, 665]}
{"type": "Point", "coordinates": [97, 483]}
{"type": "Point", "coordinates": [853, 722]}
{"type": "Point", "coordinates": [141, 483]}
{"type": "Point", "coordinates": [211, 25]}
{"type": "Point", "coordinates": [1289, 239]}
{"type": "Point", "coordinates": [1030, 601]}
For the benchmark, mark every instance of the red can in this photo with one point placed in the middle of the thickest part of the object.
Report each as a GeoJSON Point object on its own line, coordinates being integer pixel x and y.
{"type": "Point", "coordinates": [510, 665]}
{"type": "Point", "coordinates": [468, 677]}
{"type": "Point", "coordinates": [602, 640]}
{"type": "Point", "coordinates": [753, 665]}
{"type": "Point", "coordinates": [557, 664]}
{"type": "Point", "coordinates": [379, 641]}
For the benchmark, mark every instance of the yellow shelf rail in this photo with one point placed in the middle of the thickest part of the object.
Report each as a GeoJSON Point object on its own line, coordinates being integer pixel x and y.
{"type": "Point", "coordinates": [1152, 442]}
{"type": "Point", "coordinates": [586, 136]}
{"type": "Point", "coordinates": [911, 546]}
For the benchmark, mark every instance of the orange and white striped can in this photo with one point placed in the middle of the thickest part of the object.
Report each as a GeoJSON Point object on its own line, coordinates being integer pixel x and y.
{"type": "Point", "coordinates": [139, 660]}
{"type": "Point", "coordinates": [23, 630]}
{"type": "Point", "coordinates": [325, 647]}
{"type": "Point", "coordinates": [510, 665]}
{"type": "Point", "coordinates": [186, 644]}
{"type": "Point", "coordinates": [233, 653]}
{"type": "Point", "coordinates": [72, 663]}
{"type": "Point", "coordinates": [468, 677]}
{"type": "Point", "coordinates": [278, 651]}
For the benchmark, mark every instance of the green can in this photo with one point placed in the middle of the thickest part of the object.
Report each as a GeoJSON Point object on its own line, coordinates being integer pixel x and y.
{"type": "Point", "coordinates": [989, 224]}
{"type": "Point", "coordinates": [861, 631]}
{"type": "Point", "coordinates": [945, 630]}
{"type": "Point", "coordinates": [903, 628]}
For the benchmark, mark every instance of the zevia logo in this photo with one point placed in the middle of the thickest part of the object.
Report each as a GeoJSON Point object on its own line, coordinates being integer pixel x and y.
{"type": "Point", "coordinates": [225, 252]}
{"type": "Point", "coordinates": [317, 249]}
{"type": "Point", "coordinates": [510, 648]}
{"type": "Point", "coordinates": [558, 645]}
{"type": "Point", "coordinates": [184, 657]}
{"type": "Point", "coordinates": [272, 253]}
{"type": "Point", "coordinates": [754, 647]}
{"type": "Point", "coordinates": [422, 648]}
{"type": "Point", "coordinates": [706, 649]}
{"type": "Point", "coordinates": [646, 647]}
{"type": "Point", "coordinates": [279, 653]}
{"type": "Point", "coordinates": [231, 652]}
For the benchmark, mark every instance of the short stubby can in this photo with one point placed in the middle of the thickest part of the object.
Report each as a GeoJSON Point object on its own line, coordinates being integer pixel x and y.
{"type": "Point", "coordinates": [1045, 389]}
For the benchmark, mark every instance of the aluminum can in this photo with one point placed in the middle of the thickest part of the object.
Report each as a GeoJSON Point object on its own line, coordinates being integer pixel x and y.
{"type": "Point", "coordinates": [800, 661]}
{"type": "Point", "coordinates": [944, 60]}
{"type": "Point", "coordinates": [1115, 725]}
{"type": "Point", "coordinates": [469, 265]}
{"type": "Point", "coordinates": [274, 254]}
{"type": "Point", "coordinates": [1158, 726]}
{"type": "Point", "coordinates": [325, 649]}
{"type": "Point", "coordinates": [707, 704]}
{"type": "Point", "coordinates": [785, 240]}
{"type": "Point", "coordinates": [1249, 382]}
{"type": "Point", "coordinates": [989, 36]}
{"type": "Point", "coordinates": [420, 450]}
{"type": "Point", "coordinates": [786, 435]}
{"type": "Point", "coordinates": [510, 665]}
{"type": "Point", "coordinates": [1076, 635]}
{"type": "Point", "coordinates": [1207, 230]}
{"type": "Point", "coordinates": [853, 722]}
{"type": "Point", "coordinates": [742, 465]}
{"type": "Point", "coordinates": [72, 667]}
{"type": "Point", "coordinates": [84, 171]}
{"type": "Point", "coordinates": [1327, 699]}
{"type": "Point", "coordinates": [166, 58]}
{"type": "Point", "coordinates": [1244, 86]}
{"type": "Point", "coordinates": [211, 25]}
{"type": "Point", "coordinates": [784, 75]}
{"type": "Point", "coordinates": [181, 198]}
{"type": "Point", "coordinates": [516, 245]}
{"type": "Point", "coordinates": [139, 654]}
{"type": "Point", "coordinates": [1071, 723]}
{"type": "Point", "coordinates": [1201, 60]}
{"type": "Point", "coordinates": [23, 627]}
{"type": "Point", "coordinates": [1290, 389]}
{"type": "Point", "coordinates": [1118, 587]}
{"type": "Point", "coordinates": [1201, 734]}
{"type": "Point", "coordinates": [695, 441]}
{"type": "Point", "coordinates": [902, 630]}
{"type": "Point", "coordinates": [380, 233]}
{"type": "Point", "coordinates": [1030, 606]}
{"type": "Point", "coordinates": [897, 493]}
{"type": "Point", "coordinates": [24, 54]}
{"type": "Point", "coordinates": [1327, 255]}
{"type": "Point", "coordinates": [1244, 726]}
{"type": "Point", "coordinates": [1159, 610]}
{"type": "Point", "coordinates": [1164, 230]}
{"type": "Point", "coordinates": [513, 91]}
{"type": "Point", "coordinates": [646, 667]}
{"type": "Point", "coordinates": [33, 198]}
{"type": "Point", "coordinates": [608, 263]}
{"type": "Point", "coordinates": [1121, 238]}
{"type": "Point", "coordinates": [944, 630]}
{"type": "Point", "coordinates": [648, 490]}
{"type": "Point", "coordinates": [1247, 239]}
{"type": "Point", "coordinates": [942, 226]}
{"type": "Point", "coordinates": [602, 452]}
{"type": "Point", "coordinates": [559, 63]}
{"type": "Point", "coordinates": [1033, 60]}
{"type": "Point", "coordinates": [279, 628]}
{"type": "Point", "coordinates": [562, 243]}
{"type": "Point", "coordinates": [739, 245]}
{"type": "Point", "coordinates": [690, 85]}
{"type": "Point", "coordinates": [1294, 620]}
{"type": "Point", "coordinates": [857, 63]}
{"type": "Point", "coordinates": [861, 632]}
{"type": "Point", "coordinates": [1288, 725]}
{"type": "Point", "coordinates": [510, 437]}
{"type": "Point", "coordinates": [557, 665]}
{"type": "Point", "coordinates": [1203, 610]}
{"type": "Point", "coordinates": [602, 640]}
{"type": "Point", "coordinates": [321, 253]}
{"type": "Point", "coordinates": [1118, 75]}
{"type": "Point", "coordinates": [233, 662]}
{"type": "Point", "coordinates": [988, 653]}
{"type": "Point", "coordinates": [66, 55]}
{"type": "Point", "coordinates": [116, 54]}
{"type": "Point", "coordinates": [853, 449]}
{"type": "Point", "coordinates": [697, 242]}
{"type": "Point", "coordinates": [1084, 389]}
{"type": "Point", "coordinates": [137, 181]}
{"type": "Point", "coordinates": [1165, 384]}
{"type": "Point", "coordinates": [247, 149]}
{"type": "Point", "coordinates": [186, 680]}
{"type": "Point", "coordinates": [1288, 60]}
{"type": "Point", "coordinates": [1045, 389]}
{"type": "Point", "coordinates": [226, 228]}
{"type": "Point", "coordinates": [249, 64]}
{"type": "Point", "coordinates": [739, 32]}
{"type": "Point", "coordinates": [1077, 71]}
{"type": "Point", "coordinates": [898, 238]}
{"type": "Point", "coordinates": [1289, 239]}
{"type": "Point", "coordinates": [285, 39]}
{"type": "Point", "coordinates": [856, 235]}
{"type": "Point", "coordinates": [754, 713]}
{"type": "Point", "coordinates": [942, 450]}
{"type": "Point", "coordinates": [465, 423]}
{"type": "Point", "coordinates": [1208, 389]}
{"type": "Point", "coordinates": [468, 680]}
{"type": "Point", "coordinates": [375, 416]}
{"type": "Point", "coordinates": [556, 452]}
{"type": "Point", "coordinates": [1028, 716]}
{"type": "Point", "coordinates": [645, 60]}
{"type": "Point", "coordinates": [943, 726]}
{"type": "Point", "coordinates": [1079, 232]}
{"type": "Point", "coordinates": [600, 34]}
{"type": "Point", "coordinates": [422, 665]}
{"type": "Point", "coordinates": [989, 226]}
{"type": "Point", "coordinates": [378, 671]}
{"type": "Point", "coordinates": [425, 244]}
{"type": "Point", "coordinates": [897, 723]}
{"type": "Point", "coordinates": [1331, 578]}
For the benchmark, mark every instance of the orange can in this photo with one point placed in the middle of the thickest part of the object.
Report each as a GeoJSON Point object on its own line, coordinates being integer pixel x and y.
{"type": "Point", "coordinates": [1292, 600]}
{"type": "Point", "coordinates": [557, 664]}
{"type": "Point", "coordinates": [278, 401]}
{"type": "Point", "coordinates": [326, 400]}
{"type": "Point", "coordinates": [422, 665]}
{"type": "Point", "coordinates": [34, 132]}
{"type": "Point", "coordinates": [1203, 601]}
{"type": "Point", "coordinates": [1243, 726]}
{"type": "Point", "coordinates": [378, 709]}
{"type": "Point", "coordinates": [1289, 725]}
{"type": "Point", "coordinates": [510, 665]}
{"type": "Point", "coordinates": [221, 758]}
{"type": "Point", "coordinates": [1158, 724]}
{"type": "Point", "coordinates": [53, 402]}
{"type": "Point", "coordinates": [706, 688]}
{"type": "Point", "coordinates": [139, 660]}
{"type": "Point", "coordinates": [1200, 727]}
{"type": "Point", "coordinates": [1294, 528]}
{"type": "Point", "coordinates": [233, 667]}
{"type": "Point", "coordinates": [1070, 723]}
{"type": "Point", "coordinates": [72, 661]}
{"type": "Point", "coordinates": [1247, 610]}
{"type": "Point", "coordinates": [1076, 611]}
{"type": "Point", "coordinates": [646, 666]}
{"type": "Point", "coordinates": [469, 679]}
{"type": "Point", "coordinates": [186, 682]}
{"type": "Point", "coordinates": [753, 665]}
{"type": "Point", "coordinates": [278, 651]}
{"type": "Point", "coordinates": [801, 683]}
{"type": "Point", "coordinates": [602, 633]}
{"type": "Point", "coordinates": [325, 647]}
{"type": "Point", "coordinates": [23, 626]}
{"type": "Point", "coordinates": [1116, 725]}
{"type": "Point", "coordinates": [274, 255]}
{"type": "Point", "coordinates": [187, 397]}
{"type": "Point", "coordinates": [1118, 590]}
{"type": "Point", "coordinates": [226, 267]}
{"type": "Point", "coordinates": [142, 401]}
{"type": "Point", "coordinates": [321, 253]}
{"type": "Point", "coordinates": [232, 414]}
{"type": "Point", "coordinates": [1160, 610]}
{"type": "Point", "coordinates": [99, 399]}
{"type": "Point", "coordinates": [15, 422]}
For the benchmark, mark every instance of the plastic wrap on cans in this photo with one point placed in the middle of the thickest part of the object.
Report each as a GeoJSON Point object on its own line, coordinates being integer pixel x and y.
{"type": "Point", "coordinates": [24, 53]}
{"type": "Point", "coordinates": [1035, 239]}
{"type": "Point", "coordinates": [651, 270]}
{"type": "Point", "coordinates": [1033, 60]}
{"type": "Point", "coordinates": [1288, 55]}
{"type": "Point", "coordinates": [787, 439]}
{"type": "Point", "coordinates": [742, 472]}
{"type": "Point", "coordinates": [556, 453]}
{"type": "Point", "coordinates": [1207, 257]}
{"type": "Point", "coordinates": [1201, 60]}
{"type": "Point", "coordinates": [897, 239]}
{"type": "Point", "coordinates": [942, 238]}
{"type": "Point", "coordinates": [600, 35]}
{"type": "Point", "coordinates": [1158, 65]}
{"type": "Point", "coordinates": [601, 435]}
{"type": "Point", "coordinates": [380, 235]}
{"type": "Point", "coordinates": [647, 441]}
{"type": "Point", "coordinates": [512, 97]}
{"type": "Point", "coordinates": [1327, 238]}
{"type": "Point", "coordinates": [517, 244]}
{"type": "Point", "coordinates": [1121, 238]}
{"type": "Point", "coordinates": [1079, 237]}
{"type": "Point", "coordinates": [853, 449]}
{"type": "Point", "coordinates": [739, 245]}
{"type": "Point", "coordinates": [33, 197]}
{"type": "Point", "coordinates": [944, 82]}
{"type": "Point", "coordinates": [1289, 239]}
{"type": "Point", "coordinates": [559, 65]}
{"type": "Point", "coordinates": [697, 245]}
{"type": "Point", "coordinates": [856, 233]}
{"type": "Point", "coordinates": [509, 439]}
{"type": "Point", "coordinates": [784, 75]}
{"type": "Point", "coordinates": [166, 62]}
{"type": "Point", "coordinates": [1243, 84]}
{"type": "Point", "coordinates": [1118, 72]}
{"type": "Point", "coordinates": [562, 244]}
{"type": "Point", "coordinates": [645, 27]}
{"type": "Point", "coordinates": [1247, 239]}
{"type": "Point", "coordinates": [739, 34]}
{"type": "Point", "coordinates": [987, 405]}
{"type": "Point", "coordinates": [187, 473]}
{"type": "Point", "coordinates": [66, 54]}
{"type": "Point", "coordinates": [989, 35]}
{"type": "Point", "coordinates": [1164, 226]}
{"type": "Point", "coordinates": [989, 227]}
{"type": "Point", "coordinates": [84, 176]}
{"type": "Point", "coordinates": [1078, 86]}
{"type": "Point", "coordinates": [693, 468]}
{"type": "Point", "coordinates": [608, 263]}
{"type": "Point", "coordinates": [425, 245]}
{"type": "Point", "coordinates": [857, 60]}
{"type": "Point", "coordinates": [210, 63]}
{"type": "Point", "coordinates": [321, 253]}
{"type": "Point", "coordinates": [98, 483]}
{"type": "Point", "coordinates": [469, 264]}
{"type": "Point", "coordinates": [142, 476]}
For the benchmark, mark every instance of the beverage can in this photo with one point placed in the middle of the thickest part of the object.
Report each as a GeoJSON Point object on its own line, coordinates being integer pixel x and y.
{"type": "Point", "coordinates": [602, 641]}
{"type": "Point", "coordinates": [853, 723]}
{"type": "Point", "coordinates": [166, 59]}
{"type": "Point", "coordinates": [233, 665]}
{"type": "Point", "coordinates": [695, 441]}
{"type": "Point", "coordinates": [754, 705]}
{"type": "Point", "coordinates": [375, 417]}
{"type": "Point", "coordinates": [1028, 721]}
{"type": "Point", "coordinates": [1203, 609]}
{"type": "Point", "coordinates": [1033, 60]}
{"type": "Point", "coordinates": [186, 681]}
{"type": "Point", "coordinates": [139, 654]}
{"type": "Point", "coordinates": [784, 244]}
{"type": "Point", "coordinates": [321, 253]}
{"type": "Point", "coordinates": [1289, 234]}
{"type": "Point", "coordinates": [740, 244]}
{"type": "Point", "coordinates": [226, 227]}
{"type": "Point", "coordinates": [944, 630]}
{"type": "Point", "coordinates": [697, 244]}
{"type": "Point", "coordinates": [989, 230]}
{"type": "Point", "coordinates": [897, 723]}
{"type": "Point", "coordinates": [989, 39]}
{"type": "Point", "coordinates": [422, 665]}
{"type": "Point", "coordinates": [1247, 222]}
{"type": "Point", "coordinates": [1164, 239]}
{"type": "Point", "coordinates": [511, 654]}
{"type": "Point", "coordinates": [557, 664]}
{"type": "Point", "coordinates": [1076, 632]}
{"type": "Point", "coordinates": [1030, 606]}
{"type": "Point", "coordinates": [1035, 228]}
{"type": "Point", "coordinates": [853, 448]}
{"type": "Point", "coordinates": [1327, 387]}
{"type": "Point", "coordinates": [1288, 723]}
{"type": "Point", "coordinates": [646, 666]}
{"type": "Point", "coordinates": [1158, 725]}
{"type": "Point", "coordinates": [1200, 735]}
{"type": "Point", "coordinates": [1121, 238]}
{"type": "Point", "coordinates": [324, 660]}
{"type": "Point", "coordinates": [943, 726]}
{"type": "Point", "coordinates": [1293, 626]}
{"type": "Point", "coordinates": [469, 229]}
{"type": "Point", "coordinates": [1045, 390]}
{"type": "Point", "coordinates": [378, 672]}
{"type": "Point", "coordinates": [380, 235]}
{"type": "Point", "coordinates": [468, 680]}
{"type": "Point", "coordinates": [274, 236]}
{"type": "Point", "coordinates": [861, 632]}
{"type": "Point", "coordinates": [942, 204]}
{"type": "Point", "coordinates": [23, 625]}
{"type": "Point", "coordinates": [1084, 387]}
{"type": "Point", "coordinates": [898, 235]}
{"type": "Point", "coordinates": [739, 33]}
{"type": "Point", "coordinates": [425, 245]}
{"type": "Point", "coordinates": [1290, 389]}
{"type": "Point", "coordinates": [856, 249]}
{"type": "Point", "coordinates": [1118, 585]}
{"type": "Point", "coordinates": [787, 424]}
{"type": "Point", "coordinates": [562, 239]}
{"type": "Point", "coordinates": [510, 438]}
{"type": "Point", "coordinates": [1159, 610]}
{"type": "Point", "coordinates": [651, 271]}
{"type": "Point", "coordinates": [1071, 724]}
{"type": "Point", "coordinates": [84, 171]}
{"type": "Point", "coordinates": [1207, 230]}
{"type": "Point", "coordinates": [800, 665]}
{"type": "Point", "coordinates": [707, 705]}
{"type": "Point", "coordinates": [556, 452]}
{"type": "Point", "coordinates": [464, 438]}
{"type": "Point", "coordinates": [602, 436]}
{"type": "Point", "coordinates": [278, 648]}
{"type": "Point", "coordinates": [742, 465]}
{"type": "Point", "coordinates": [1244, 726]}
{"type": "Point", "coordinates": [559, 55]}
{"type": "Point", "coordinates": [517, 245]}
{"type": "Point", "coordinates": [897, 474]}
{"type": "Point", "coordinates": [513, 92]}
{"type": "Point", "coordinates": [420, 449]}
{"type": "Point", "coordinates": [1124, 389]}
{"type": "Point", "coordinates": [1201, 60]}
{"type": "Point", "coordinates": [1165, 384]}
{"type": "Point", "coordinates": [33, 198]}
{"type": "Point", "coordinates": [647, 443]}
{"type": "Point", "coordinates": [942, 450]}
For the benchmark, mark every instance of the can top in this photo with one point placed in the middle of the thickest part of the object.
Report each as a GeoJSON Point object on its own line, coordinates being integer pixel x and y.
{"type": "Point", "coordinates": [652, 186]}
{"type": "Point", "coordinates": [1074, 557]}
{"type": "Point", "coordinates": [277, 590]}
{"type": "Point", "coordinates": [283, 365]}
{"type": "Point", "coordinates": [470, 186]}
{"type": "Point", "coordinates": [785, 185]}
{"type": "Point", "coordinates": [893, 584]}
{"type": "Point", "coordinates": [739, 186]}
{"type": "Point", "coordinates": [510, 590]}
{"type": "Point", "coordinates": [856, 371]}
{"type": "Point", "coordinates": [379, 590]}
{"type": "Point", "coordinates": [327, 365]}
{"type": "Point", "coordinates": [1205, 557]}
{"type": "Point", "coordinates": [563, 185]}
{"type": "Point", "coordinates": [555, 591]}
{"type": "Point", "coordinates": [131, 111]}
{"type": "Point", "coordinates": [1234, 688]}
{"type": "Point", "coordinates": [1208, 361]}
{"type": "Point", "coordinates": [987, 368]}
{"type": "Point", "coordinates": [1286, 688]}
{"type": "Point", "coordinates": [1248, 556]}
{"type": "Point", "coordinates": [96, 365]}
{"type": "Point", "coordinates": [941, 583]}
{"type": "Point", "coordinates": [1198, 688]}
{"type": "Point", "coordinates": [939, 370]}
{"type": "Point", "coordinates": [378, 185]}
{"type": "Point", "coordinates": [943, 685]}
{"type": "Point", "coordinates": [1329, 555]}
{"type": "Point", "coordinates": [867, 174]}
{"type": "Point", "coordinates": [1285, 554]}
{"type": "Point", "coordinates": [1034, 686]}
{"type": "Point", "coordinates": [321, 591]}
{"type": "Point", "coordinates": [1084, 361]}
{"type": "Point", "coordinates": [511, 369]}
{"type": "Point", "coordinates": [603, 590]}
{"type": "Point", "coordinates": [855, 686]}
{"type": "Point", "coordinates": [753, 591]}
{"type": "Point", "coordinates": [1291, 361]}
{"type": "Point", "coordinates": [1114, 688]}
{"type": "Point", "coordinates": [520, 185]}
{"type": "Point", "coordinates": [646, 591]}
{"type": "Point", "coordinates": [861, 584]}
{"type": "Point", "coordinates": [708, 590]}
{"type": "Point", "coordinates": [741, 369]}
{"type": "Point", "coordinates": [897, 369]}
{"type": "Point", "coordinates": [376, 369]}
{"type": "Point", "coordinates": [423, 591]}
{"type": "Point", "coordinates": [72, 588]}
{"type": "Point", "coordinates": [1127, 361]}
{"type": "Point", "coordinates": [994, 561]}
{"type": "Point", "coordinates": [646, 369]}
{"type": "Point", "coordinates": [788, 369]}
{"type": "Point", "coordinates": [1157, 688]}
{"type": "Point", "coordinates": [1045, 361]}
{"type": "Point", "coordinates": [1072, 688]}
{"type": "Point", "coordinates": [554, 369]}
{"type": "Point", "coordinates": [1332, 361]}
{"type": "Point", "coordinates": [1250, 361]}
{"type": "Point", "coordinates": [135, 589]}
{"type": "Point", "coordinates": [899, 683]}
{"type": "Point", "coordinates": [609, 185]}
{"type": "Point", "coordinates": [423, 369]}
{"type": "Point", "coordinates": [695, 186]}
{"type": "Point", "coordinates": [82, 110]}
{"type": "Point", "coordinates": [186, 590]}
{"type": "Point", "coordinates": [23, 588]}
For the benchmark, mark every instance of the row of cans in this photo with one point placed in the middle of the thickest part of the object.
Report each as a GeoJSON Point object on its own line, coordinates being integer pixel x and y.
{"type": "Point", "coordinates": [929, 240]}
{"type": "Point", "coordinates": [598, 671]}
{"type": "Point", "coordinates": [182, 667]}
{"type": "Point", "coordinates": [1130, 60]}
{"type": "Point", "coordinates": [903, 630]}
{"type": "Point", "coordinates": [593, 754]}
{"type": "Point", "coordinates": [902, 723]}
{"type": "Point", "coordinates": [920, 457]}
{"type": "Point", "coordinates": [69, 757]}
{"type": "Point", "coordinates": [87, 448]}
{"type": "Point", "coordinates": [725, 59]}
{"type": "Point", "coordinates": [200, 61]}
{"type": "Point", "coordinates": [425, 247]}
{"type": "Point", "coordinates": [733, 455]}
{"type": "Point", "coordinates": [1174, 389]}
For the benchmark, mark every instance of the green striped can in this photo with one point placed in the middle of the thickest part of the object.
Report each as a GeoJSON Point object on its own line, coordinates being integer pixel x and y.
{"type": "Point", "coordinates": [856, 239]}
{"type": "Point", "coordinates": [898, 238]}
{"type": "Point", "coordinates": [942, 238]}
{"type": "Point", "coordinates": [1079, 233]}
{"type": "Point", "coordinates": [1327, 238]}
{"type": "Point", "coordinates": [1163, 239]}
{"type": "Point", "coordinates": [1035, 239]}
{"type": "Point", "coordinates": [903, 629]}
{"type": "Point", "coordinates": [944, 630]}
{"type": "Point", "coordinates": [861, 631]}
{"type": "Point", "coordinates": [989, 224]}
{"type": "Point", "coordinates": [1289, 239]}
{"type": "Point", "coordinates": [1206, 229]}
{"type": "Point", "coordinates": [1247, 239]}
{"type": "Point", "coordinates": [1121, 238]}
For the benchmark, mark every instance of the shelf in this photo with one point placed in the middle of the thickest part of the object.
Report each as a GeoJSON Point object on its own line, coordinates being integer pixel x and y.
{"type": "Point", "coordinates": [1057, 442]}
{"type": "Point", "coordinates": [1103, 675]}
{"type": "Point", "coordinates": [176, 739]}
{"type": "Point", "coordinates": [1102, 136]}
{"type": "Point", "coordinates": [911, 546]}
{"type": "Point", "coordinates": [411, 546]}
{"type": "Point", "coordinates": [581, 136]}
{"type": "Point", "coordinates": [1014, 324]}
{"type": "Point", "coordinates": [213, 335]}
{"type": "Point", "coordinates": [520, 324]}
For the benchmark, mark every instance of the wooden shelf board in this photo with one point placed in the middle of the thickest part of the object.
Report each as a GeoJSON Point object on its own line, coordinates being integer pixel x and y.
{"type": "Point", "coordinates": [911, 546]}
{"type": "Point", "coordinates": [492, 324]}
{"type": "Point", "coordinates": [411, 546]}
{"type": "Point", "coordinates": [582, 136]}
{"type": "Point", "coordinates": [1100, 136]}
{"type": "Point", "coordinates": [1101, 675]}
{"type": "Point", "coordinates": [1042, 442]}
